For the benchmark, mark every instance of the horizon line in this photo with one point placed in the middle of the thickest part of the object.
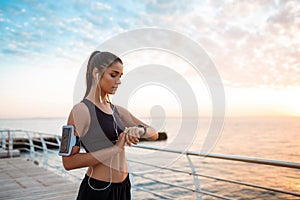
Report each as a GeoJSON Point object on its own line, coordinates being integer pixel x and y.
{"type": "Point", "coordinates": [172, 117]}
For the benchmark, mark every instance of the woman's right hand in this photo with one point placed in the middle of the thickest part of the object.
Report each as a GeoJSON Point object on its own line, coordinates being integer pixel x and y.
{"type": "Point", "coordinates": [125, 138]}
{"type": "Point", "coordinates": [133, 135]}
{"type": "Point", "coordinates": [121, 141]}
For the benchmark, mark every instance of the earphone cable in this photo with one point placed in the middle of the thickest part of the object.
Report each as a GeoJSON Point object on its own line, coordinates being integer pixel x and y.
{"type": "Point", "coordinates": [110, 166]}
{"type": "Point", "coordinates": [110, 178]}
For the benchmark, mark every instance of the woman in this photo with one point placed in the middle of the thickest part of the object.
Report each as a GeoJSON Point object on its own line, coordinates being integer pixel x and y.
{"type": "Point", "coordinates": [104, 130]}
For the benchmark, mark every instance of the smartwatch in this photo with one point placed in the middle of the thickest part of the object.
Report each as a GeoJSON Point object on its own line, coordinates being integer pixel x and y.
{"type": "Point", "coordinates": [145, 129]}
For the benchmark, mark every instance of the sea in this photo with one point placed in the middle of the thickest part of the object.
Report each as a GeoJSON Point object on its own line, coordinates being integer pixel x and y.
{"type": "Point", "coordinates": [273, 138]}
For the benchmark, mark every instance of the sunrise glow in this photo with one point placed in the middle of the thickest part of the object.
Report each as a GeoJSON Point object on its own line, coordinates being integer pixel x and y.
{"type": "Point", "coordinates": [254, 45]}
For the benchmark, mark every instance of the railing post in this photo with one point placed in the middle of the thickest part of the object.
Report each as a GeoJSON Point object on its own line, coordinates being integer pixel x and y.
{"type": "Point", "coordinates": [196, 180]}
{"type": "Point", "coordinates": [45, 152]}
{"type": "Point", "coordinates": [3, 141]}
{"type": "Point", "coordinates": [31, 146]}
{"type": "Point", "coordinates": [10, 144]}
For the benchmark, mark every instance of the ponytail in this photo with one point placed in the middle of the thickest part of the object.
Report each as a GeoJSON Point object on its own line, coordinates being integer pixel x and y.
{"type": "Point", "coordinates": [100, 60]}
{"type": "Point", "coordinates": [89, 74]}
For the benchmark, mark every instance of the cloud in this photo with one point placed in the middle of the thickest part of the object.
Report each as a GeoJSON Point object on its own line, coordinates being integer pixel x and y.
{"type": "Point", "coordinates": [100, 6]}
{"type": "Point", "coordinates": [252, 54]}
{"type": "Point", "coordinates": [286, 19]}
{"type": "Point", "coordinates": [252, 43]}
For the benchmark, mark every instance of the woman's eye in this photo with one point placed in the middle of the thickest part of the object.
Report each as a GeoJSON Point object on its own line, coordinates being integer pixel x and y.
{"type": "Point", "coordinates": [113, 75]}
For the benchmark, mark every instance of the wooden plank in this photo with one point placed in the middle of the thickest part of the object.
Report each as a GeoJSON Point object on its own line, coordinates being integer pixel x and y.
{"type": "Point", "coordinates": [40, 193]}
{"type": "Point", "coordinates": [7, 154]}
{"type": "Point", "coordinates": [21, 179]}
{"type": "Point", "coordinates": [56, 194]}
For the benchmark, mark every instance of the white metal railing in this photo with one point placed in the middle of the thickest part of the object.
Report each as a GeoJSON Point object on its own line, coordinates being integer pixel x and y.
{"type": "Point", "coordinates": [37, 144]}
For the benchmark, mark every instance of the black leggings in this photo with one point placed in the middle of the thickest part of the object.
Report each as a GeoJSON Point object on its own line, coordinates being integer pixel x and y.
{"type": "Point", "coordinates": [116, 191]}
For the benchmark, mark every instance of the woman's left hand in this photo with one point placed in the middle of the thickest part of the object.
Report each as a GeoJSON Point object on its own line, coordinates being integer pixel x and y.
{"type": "Point", "coordinates": [133, 135]}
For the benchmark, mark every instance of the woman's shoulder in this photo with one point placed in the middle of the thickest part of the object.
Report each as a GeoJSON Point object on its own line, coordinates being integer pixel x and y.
{"type": "Point", "coordinates": [120, 109]}
{"type": "Point", "coordinates": [123, 112]}
{"type": "Point", "coordinates": [80, 109]}
{"type": "Point", "coordinates": [80, 118]}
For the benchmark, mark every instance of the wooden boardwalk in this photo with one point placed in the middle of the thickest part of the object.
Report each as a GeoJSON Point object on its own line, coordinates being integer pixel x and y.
{"type": "Point", "coordinates": [22, 180]}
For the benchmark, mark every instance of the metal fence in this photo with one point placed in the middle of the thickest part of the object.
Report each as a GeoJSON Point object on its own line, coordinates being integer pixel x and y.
{"type": "Point", "coordinates": [36, 146]}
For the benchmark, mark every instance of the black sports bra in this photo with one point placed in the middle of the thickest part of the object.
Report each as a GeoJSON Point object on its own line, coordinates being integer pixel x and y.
{"type": "Point", "coordinates": [104, 128]}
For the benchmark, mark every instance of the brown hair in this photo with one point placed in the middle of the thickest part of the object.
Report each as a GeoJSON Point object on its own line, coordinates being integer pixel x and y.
{"type": "Point", "coordinates": [101, 61]}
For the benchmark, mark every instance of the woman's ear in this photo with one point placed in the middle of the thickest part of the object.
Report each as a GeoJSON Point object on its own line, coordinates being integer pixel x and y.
{"type": "Point", "coordinates": [95, 73]}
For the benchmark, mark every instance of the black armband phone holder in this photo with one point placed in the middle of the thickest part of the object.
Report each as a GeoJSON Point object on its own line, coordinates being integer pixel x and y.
{"type": "Point", "coordinates": [68, 140]}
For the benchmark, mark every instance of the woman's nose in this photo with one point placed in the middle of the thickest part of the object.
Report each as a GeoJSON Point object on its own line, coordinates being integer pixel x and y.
{"type": "Point", "coordinates": [119, 81]}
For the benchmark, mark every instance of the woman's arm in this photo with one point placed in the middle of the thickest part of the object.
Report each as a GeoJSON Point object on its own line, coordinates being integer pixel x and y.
{"type": "Point", "coordinates": [80, 119]}
{"type": "Point", "coordinates": [130, 120]}
{"type": "Point", "coordinates": [79, 160]}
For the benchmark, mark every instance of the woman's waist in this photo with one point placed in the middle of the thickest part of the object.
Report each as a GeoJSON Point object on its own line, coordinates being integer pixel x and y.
{"type": "Point", "coordinates": [116, 172]}
{"type": "Point", "coordinates": [98, 183]}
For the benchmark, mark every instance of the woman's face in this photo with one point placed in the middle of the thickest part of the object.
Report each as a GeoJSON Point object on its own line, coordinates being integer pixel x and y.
{"type": "Point", "coordinates": [110, 79]}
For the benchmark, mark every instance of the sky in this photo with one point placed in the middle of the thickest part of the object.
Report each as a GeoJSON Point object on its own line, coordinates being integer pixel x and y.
{"type": "Point", "coordinates": [255, 46]}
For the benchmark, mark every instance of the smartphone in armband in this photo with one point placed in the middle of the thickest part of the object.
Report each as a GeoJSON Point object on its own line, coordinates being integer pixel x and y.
{"type": "Point", "coordinates": [68, 140]}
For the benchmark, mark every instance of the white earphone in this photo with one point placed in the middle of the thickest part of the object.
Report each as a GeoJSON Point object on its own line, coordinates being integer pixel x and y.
{"type": "Point", "coordinates": [97, 77]}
